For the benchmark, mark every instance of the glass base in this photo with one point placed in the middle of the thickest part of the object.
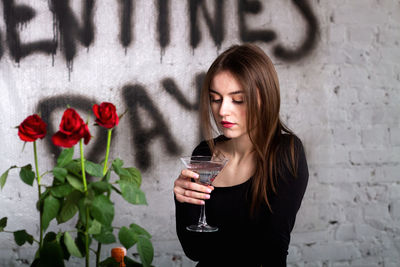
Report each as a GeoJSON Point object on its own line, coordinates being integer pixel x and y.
{"type": "Point", "coordinates": [202, 228]}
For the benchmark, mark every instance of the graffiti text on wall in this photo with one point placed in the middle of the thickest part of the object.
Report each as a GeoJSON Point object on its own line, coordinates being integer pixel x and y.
{"type": "Point", "coordinates": [135, 97]}
{"type": "Point", "coordinates": [67, 31]}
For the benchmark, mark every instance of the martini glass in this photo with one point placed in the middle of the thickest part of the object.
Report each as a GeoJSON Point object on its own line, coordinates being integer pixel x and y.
{"type": "Point", "coordinates": [207, 168]}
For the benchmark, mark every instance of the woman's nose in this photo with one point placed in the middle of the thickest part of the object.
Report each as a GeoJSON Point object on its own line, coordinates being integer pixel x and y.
{"type": "Point", "coordinates": [224, 109]}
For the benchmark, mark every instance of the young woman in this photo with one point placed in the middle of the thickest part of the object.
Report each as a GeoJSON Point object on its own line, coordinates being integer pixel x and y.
{"type": "Point", "coordinates": [254, 199]}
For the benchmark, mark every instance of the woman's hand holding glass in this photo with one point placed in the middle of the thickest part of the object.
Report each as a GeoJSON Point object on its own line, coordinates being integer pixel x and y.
{"type": "Point", "coordinates": [189, 191]}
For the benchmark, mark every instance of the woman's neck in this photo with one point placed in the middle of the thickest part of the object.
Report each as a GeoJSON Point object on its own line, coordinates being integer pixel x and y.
{"type": "Point", "coordinates": [239, 148]}
{"type": "Point", "coordinates": [241, 162]}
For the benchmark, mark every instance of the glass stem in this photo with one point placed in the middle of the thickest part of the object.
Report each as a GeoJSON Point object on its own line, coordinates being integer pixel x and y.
{"type": "Point", "coordinates": [202, 219]}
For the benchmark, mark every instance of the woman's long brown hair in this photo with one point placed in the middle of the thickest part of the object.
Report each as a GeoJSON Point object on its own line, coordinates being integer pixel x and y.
{"type": "Point", "coordinates": [257, 76]}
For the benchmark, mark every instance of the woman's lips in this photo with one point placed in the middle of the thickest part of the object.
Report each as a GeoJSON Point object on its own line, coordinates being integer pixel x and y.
{"type": "Point", "coordinates": [227, 124]}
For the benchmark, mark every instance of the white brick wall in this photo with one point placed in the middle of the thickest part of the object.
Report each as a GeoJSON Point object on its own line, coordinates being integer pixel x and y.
{"type": "Point", "coordinates": [343, 100]}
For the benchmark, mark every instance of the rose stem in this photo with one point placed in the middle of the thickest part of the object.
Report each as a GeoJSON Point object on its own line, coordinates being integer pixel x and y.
{"type": "Point", "coordinates": [107, 151]}
{"type": "Point", "coordinates": [83, 166]}
{"type": "Point", "coordinates": [39, 193]}
{"type": "Point", "coordinates": [98, 253]}
{"type": "Point", "coordinates": [87, 209]}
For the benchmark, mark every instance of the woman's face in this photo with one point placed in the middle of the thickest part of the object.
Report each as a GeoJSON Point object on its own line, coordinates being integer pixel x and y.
{"type": "Point", "coordinates": [228, 105]}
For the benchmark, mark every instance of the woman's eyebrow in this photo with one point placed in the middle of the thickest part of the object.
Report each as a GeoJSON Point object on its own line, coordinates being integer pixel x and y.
{"type": "Point", "coordinates": [236, 93]}
{"type": "Point", "coordinates": [214, 92]}
{"type": "Point", "coordinates": [231, 93]}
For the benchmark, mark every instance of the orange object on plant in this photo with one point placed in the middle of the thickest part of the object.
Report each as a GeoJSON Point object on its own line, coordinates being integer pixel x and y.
{"type": "Point", "coordinates": [118, 254]}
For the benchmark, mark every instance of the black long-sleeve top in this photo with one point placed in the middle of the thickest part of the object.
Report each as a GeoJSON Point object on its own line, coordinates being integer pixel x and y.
{"type": "Point", "coordinates": [244, 239]}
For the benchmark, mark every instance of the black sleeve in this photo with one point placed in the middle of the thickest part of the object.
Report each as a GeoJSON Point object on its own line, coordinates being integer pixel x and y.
{"type": "Point", "coordinates": [285, 204]}
{"type": "Point", "coordinates": [188, 214]}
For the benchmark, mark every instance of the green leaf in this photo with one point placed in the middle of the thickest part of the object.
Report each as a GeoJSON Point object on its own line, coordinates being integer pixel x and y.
{"type": "Point", "coordinates": [93, 169]}
{"type": "Point", "coordinates": [139, 230]}
{"type": "Point", "coordinates": [146, 250]}
{"type": "Point", "coordinates": [4, 176]}
{"type": "Point", "coordinates": [37, 255]}
{"type": "Point", "coordinates": [61, 191]}
{"type": "Point", "coordinates": [106, 236]}
{"type": "Point", "coordinates": [131, 263]}
{"type": "Point", "coordinates": [71, 246]}
{"type": "Point", "coordinates": [103, 210]}
{"type": "Point", "coordinates": [21, 237]}
{"type": "Point", "coordinates": [117, 164]}
{"type": "Point", "coordinates": [82, 204]}
{"type": "Point", "coordinates": [76, 182]}
{"type": "Point", "coordinates": [127, 237]}
{"type": "Point", "coordinates": [107, 176]}
{"type": "Point", "coordinates": [40, 202]}
{"type": "Point", "coordinates": [74, 167]}
{"type": "Point", "coordinates": [109, 262]}
{"type": "Point", "coordinates": [95, 228]}
{"type": "Point", "coordinates": [132, 193]}
{"type": "Point", "coordinates": [3, 223]}
{"type": "Point", "coordinates": [116, 189]}
{"type": "Point", "coordinates": [68, 211]}
{"type": "Point", "coordinates": [132, 175]}
{"type": "Point", "coordinates": [50, 237]}
{"type": "Point", "coordinates": [51, 254]}
{"type": "Point", "coordinates": [27, 175]}
{"type": "Point", "coordinates": [60, 240]}
{"type": "Point", "coordinates": [59, 237]}
{"type": "Point", "coordinates": [69, 207]}
{"type": "Point", "coordinates": [50, 210]}
{"type": "Point", "coordinates": [60, 173]}
{"type": "Point", "coordinates": [100, 187]}
{"type": "Point", "coordinates": [80, 242]}
{"type": "Point", "coordinates": [65, 157]}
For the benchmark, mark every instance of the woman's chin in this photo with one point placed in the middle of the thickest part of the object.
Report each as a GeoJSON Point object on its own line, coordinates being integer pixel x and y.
{"type": "Point", "coordinates": [232, 134]}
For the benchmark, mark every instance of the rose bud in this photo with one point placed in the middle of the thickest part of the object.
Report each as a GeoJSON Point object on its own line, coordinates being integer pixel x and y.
{"type": "Point", "coordinates": [72, 129]}
{"type": "Point", "coordinates": [32, 128]}
{"type": "Point", "coordinates": [106, 115]}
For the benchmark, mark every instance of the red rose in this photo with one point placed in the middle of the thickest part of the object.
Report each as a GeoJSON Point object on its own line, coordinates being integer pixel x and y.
{"type": "Point", "coordinates": [106, 115]}
{"type": "Point", "coordinates": [32, 128]}
{"type": "Point", "coordinates": [72, 129]}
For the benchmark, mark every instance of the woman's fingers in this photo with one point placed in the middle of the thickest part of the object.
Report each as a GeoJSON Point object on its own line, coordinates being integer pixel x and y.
{"type": "Point", "coordinates": [190, 200]}
{"type": "Point", "coordinates": [191, 194]}
{"type": "Point", "coordinates": [190, 174]}
{"type": "Point", "coordinates": [189, 185]}
{"type": "Point", "coordinates": [187, 191]}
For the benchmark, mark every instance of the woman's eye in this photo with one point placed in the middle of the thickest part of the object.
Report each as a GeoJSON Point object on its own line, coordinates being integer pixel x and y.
{"type": "Point", "coordinates": [238, 101]}
{"type": "Point", "coordinates": [214, 100]}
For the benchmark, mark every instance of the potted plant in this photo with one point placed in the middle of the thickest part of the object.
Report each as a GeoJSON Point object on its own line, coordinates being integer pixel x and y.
{"type": "Point", "coordinates": [72, 194]}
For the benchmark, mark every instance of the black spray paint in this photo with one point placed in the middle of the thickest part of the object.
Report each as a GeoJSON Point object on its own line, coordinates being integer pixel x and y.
{"type": "Point", "coordinates": [246, 34]}
{"type": "Point", "coordinates": [83, 105]}
{"type": "Point", "coordinates": [249, 35]}
{"type": "Point", "coordinates": [15, 16]}
{"type": "Point", "coordinates": [310, 38]}
{"type": "Point", "coordinates": [163, 23]}
{"type": "Point", "coordinates": [126, 13]}
{"type": "Point", "coordinates": [135, 97]}
{"type": "Point", "coordinates": [68, 31]}
{"type": "Point", "coordinates": [69, 28]}
{"type": "Point", "coordinates": [1, 47]}
{"type": "Point", "coordinates": [172, 89]}
{"type": "Point", "coordinates": [215, 25]}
